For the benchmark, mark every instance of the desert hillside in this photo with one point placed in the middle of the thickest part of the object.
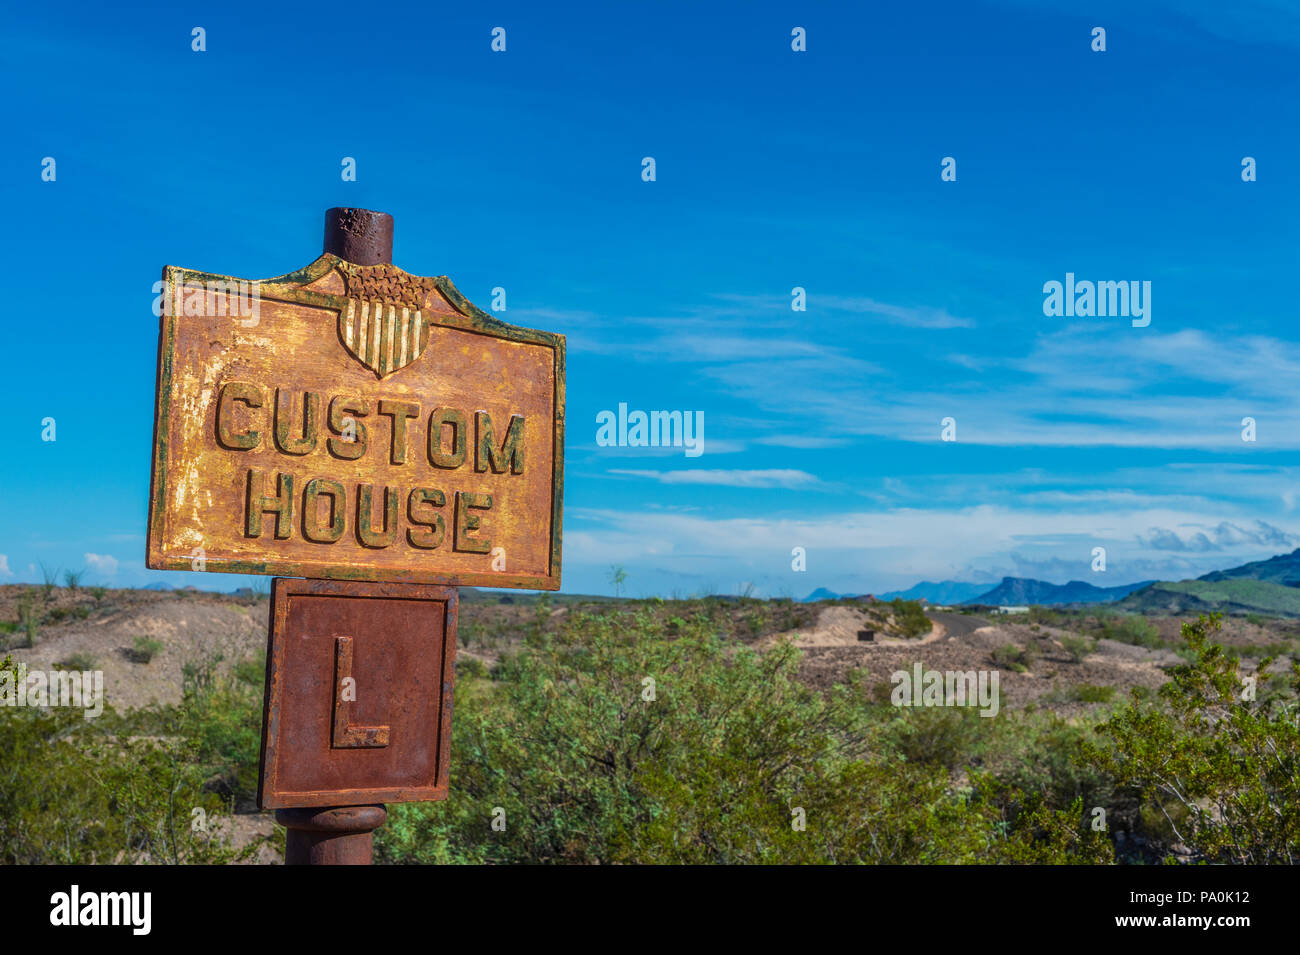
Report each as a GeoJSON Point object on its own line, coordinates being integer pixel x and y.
{"type": "Point", "coordinates": [183, 672]}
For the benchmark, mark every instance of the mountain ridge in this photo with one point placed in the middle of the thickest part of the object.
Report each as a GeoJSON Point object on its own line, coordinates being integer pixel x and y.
{"type": "Point", "coordinates": [1022, 591]}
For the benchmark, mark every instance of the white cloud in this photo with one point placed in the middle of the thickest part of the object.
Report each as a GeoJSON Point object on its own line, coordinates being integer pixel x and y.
{"type": "Point", "coordinates": [925, 544]}
{"type": "Point", "coordinates": [801, 441]}
{"type": "Point", "coordinates": [911, 316]}
{"type": "Point", "coordinates": [4, 566]}
{"type": "Point", "coordinates": [1224, 535]}
{"type": "Point", "coordinates": [1081, 386]}
{"type": "Point", "coordinates": [780, 478]}
{"type": "Point", "coordinates": [102, 563]}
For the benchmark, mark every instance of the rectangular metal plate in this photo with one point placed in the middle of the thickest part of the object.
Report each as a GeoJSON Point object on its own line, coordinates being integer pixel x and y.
{"type": "Point", "coordinates": [358, 693]}
{"type": "Point", "coordinates": [354, 422]}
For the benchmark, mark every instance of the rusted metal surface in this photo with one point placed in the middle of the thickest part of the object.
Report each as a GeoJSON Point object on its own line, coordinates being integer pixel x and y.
{"type": "Point", "coordinates": [359, 235]}
{"type": "Point", "coordinates": [342, 835]}
{"type": "Point", "coordinates": [354, 422]}
{"type": "Point", "coordinates": [397, 711]}
{"type": "Point", "coordinates": [397, 644]}
{"type": "Point", "coordinates": [348, 735]}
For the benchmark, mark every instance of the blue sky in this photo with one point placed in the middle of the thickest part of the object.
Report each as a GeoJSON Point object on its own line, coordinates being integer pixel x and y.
{"type": "Point", "coordinates": [774, 169]}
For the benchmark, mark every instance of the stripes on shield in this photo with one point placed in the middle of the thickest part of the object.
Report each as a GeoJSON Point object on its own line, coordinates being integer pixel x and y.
{"type": "Point", "coordinates": [384, 337]}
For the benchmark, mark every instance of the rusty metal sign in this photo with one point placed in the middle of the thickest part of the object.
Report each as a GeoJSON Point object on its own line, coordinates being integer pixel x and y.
{"type": "Point", "coordinates": [358, 693]}
{"type": "Point", "coordinates": [357, 422]}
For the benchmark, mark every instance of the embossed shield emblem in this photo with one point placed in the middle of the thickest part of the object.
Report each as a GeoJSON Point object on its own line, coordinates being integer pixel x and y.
{"type": "Point", "coordinates": [384, 326]}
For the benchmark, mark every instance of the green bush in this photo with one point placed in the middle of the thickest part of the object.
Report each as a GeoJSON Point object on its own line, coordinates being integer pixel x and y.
{"type": "Point", "coordinates": [1220, 770]}
{"type": "Point", "coordinates": [252, 671]}
{"type": "Point", "coordinates": [1131, 629]}
{"type": "Point", "coordinates": [909, 618]}
{"type": "Point", "coordinates": [718, 760]}
{"type": "Point", "coordinates": [112, 789]}
{"type": "Point", "coordinates": [78, 661]}
{"type": "Point", "coordinates": [1092, 693]}
{"type": "Point", "coordinates": [940, 736]}
{"type": "Point", "coordinates": [145, 649]}
{"type": "Point", "coordinates": [1015, 657]}
{"type": "Point", "coordinates": [58, 614]}
{"type": "Point", "coordinates": [1078, 647]}
{"type": "Point", "coordinates": [1045, 616]}
{"type": "Point", "coordinates": [471, 667]}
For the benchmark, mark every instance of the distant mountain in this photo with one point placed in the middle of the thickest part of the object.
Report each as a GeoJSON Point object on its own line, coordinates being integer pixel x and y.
{"type": "Point", "coordinates": [944, 592]}
{"type": "Point", "coordinates": [1233, 596]}
{"type": "Point", "coordinates": [821, 593]}
{"type": "Point", "coordinates": [1021, 591]}
{"type": "Point", "coordinates": [160, 585]}
{"type": "Point", "coordinates": [1283, 569]}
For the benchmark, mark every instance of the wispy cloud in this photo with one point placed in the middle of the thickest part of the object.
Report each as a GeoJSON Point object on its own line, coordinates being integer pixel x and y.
{"type": "Point", "coordinates": [777, 478]}
{"type": "Point", "coordinates": [910, 316]}
{"type": "Point", "coordinates": [801, 441]}
{"type": "Point", "coordinates": [1076, 387]}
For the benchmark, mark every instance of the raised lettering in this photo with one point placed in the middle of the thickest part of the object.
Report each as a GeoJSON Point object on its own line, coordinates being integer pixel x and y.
{"type": "Point", "coordinates": [281, 505]}
{"type": "Point", "coordinates": [366, 533]}
{"type": "Point", "coordinates": [342, 407]}
{"type": "Point", "coordinates": [399, 411]}
{"type": "Point", "coordinates": [310, 413]}
{"type": "Point", "coordinates": [437, 457]}
{"type": "Point", "coordinates": [428, 532]}
{"type": "Point", "coordinates": [487, 455]}
{"type": "Point", "coordinates": [311, 527]}
{"type": "Point", "coordinates": [466, 523]}
{"type": "Point", "coordinates": [250, 395]}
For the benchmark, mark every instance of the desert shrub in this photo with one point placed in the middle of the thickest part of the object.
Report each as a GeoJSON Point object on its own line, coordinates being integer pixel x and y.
{"type": "Point", "coordinates": [1044, 616]}
{"type": "Point", "coordinates": [1131, 629]}
{"type": "Point", "coordinates": [1015, 657]}
{"type": "Point", "coordinates": [30, 617]}
{"type": "Point", "coordinates": [252, 670]}
{"type": "Point", "coordinates": [78, 661]}
{"type": "Point", "coordinates": [471, 667]}
{"type": "Point", "coordinates": [49, 580]}
{"type": "Point", "coordinates": [1038, 754]}
{"type": "Point", "coordinates": [111, 789]}
{"type": "Point", "coordinates": [940, 736]}
{"type": "Point", "coordinates": [1219, 769]}
{"type": "Point", "coordinates": [1078, 647]}
{"type": "Point", "coordinates": [1092, 693]}
{"type": "Point", "coordinates": [58, 614]}
{"type": "Point", "coordinates": [220, 721]}
{"type": "Point", "coordinates": [719, 761]}
{"type": "Point", "coordinates": [144, 650]}
{"type": "Point", "coordinates": [909, 618]}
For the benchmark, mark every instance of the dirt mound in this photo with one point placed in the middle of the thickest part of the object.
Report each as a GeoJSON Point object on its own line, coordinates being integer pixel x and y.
{"type": "Point", "coordinates": [101, 632]}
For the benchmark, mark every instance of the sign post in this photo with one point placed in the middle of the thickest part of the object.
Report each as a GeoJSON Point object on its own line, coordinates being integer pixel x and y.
{"type": "Point", "coordinates": [377, 441]}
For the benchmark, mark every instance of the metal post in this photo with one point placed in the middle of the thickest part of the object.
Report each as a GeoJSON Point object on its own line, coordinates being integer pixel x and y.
{"type": "Point", "coordinates": [360, 236]}
{"type": "Point", "coordinates": [341, 835]}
